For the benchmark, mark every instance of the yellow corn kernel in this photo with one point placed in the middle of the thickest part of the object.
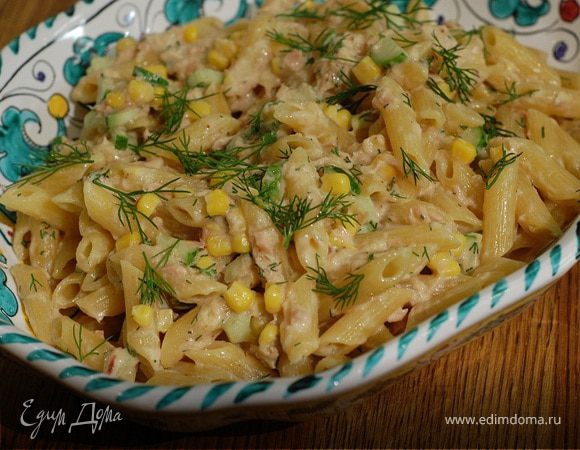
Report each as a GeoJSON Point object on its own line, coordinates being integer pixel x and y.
{"type": "Point", "coordinates": [226, 47]}
{"type": "Point", "coordinates": [273, 297]}
{"type": "Point", "coordinates": [340, 237]}
{"type": "Point", "coordinates": [239, 297]}
{"type": "Point", "coordinates": [126, 43]}
{"type": "Point", "coordinates": [158, 92]}
{"type": "Point", "coordinates": [275, 64]}
{"type": "Point", "coordinates": [366, 70]}
{"type": "Point", "coordinates": [336, 183]}
{"type": "Point", "coordinates": [116, 99]}
{"type": "Point", "coordinates": [140, 91]}
{"type": "Point", "coordinates": [190, 33]}
{"type": "Point", "coordinates": [127, 240]}
{"type": "Point", "coordinates": [164, 319]}
{"type": "Point", "coordinates": [217, 203]}
{"type": "Point", "coordinates": [463, 151]}
{"type": "Point", "coordinates": [445, 88]}
{"type": "Point", "coordinates": [147, 204]}
{"type": "Point", "coordinates": [158, 69]}
{"type": "Point", "coordinates": [198, 109]}
{"type": "Point", "coordinates": [387, 172]}
{"type": "Point", "coordinates": [218, 60]}
{"type": "Point", "coordinates": [204, 262]}
{"type": "Point", "coordinates": [442, 263]}
{"type": "Point", "coordinates": [351, 227]}
{"type": "Point", "coordinates": [268, 335]}
{"type": "Point", "coordinates": [339, 116]}
{"type": "Point", "coordinates": [241, 243]}
{"type": "Point", "coordinates": [458, 251]}
{"type": "Point", "coordinates": [219, 245]}
{"type": "Point", "coordinates": [142, 314]}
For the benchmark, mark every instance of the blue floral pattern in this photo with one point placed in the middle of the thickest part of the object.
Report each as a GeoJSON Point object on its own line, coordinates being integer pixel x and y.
{"type": "Point", "coordinates": [523, 13]}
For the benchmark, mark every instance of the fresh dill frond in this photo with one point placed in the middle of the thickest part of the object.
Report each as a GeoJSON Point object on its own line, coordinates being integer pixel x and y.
{"type": "Point", "coordinates": [512, 93]}
{"type": "Point", "coordinates": [60, 156]}
{"type": "Point", "coordinates": [78, 340]}
{"type": "Point", "coordinates": [302, 12]}
{"type": "Point", "coordinates": [325, 45]}
{"type": "Point", "coordinates": [152, 285]}
{"type": "Point", "coordinates": [360, 18]}
{"type": "Point", "coordinates": [34, 283]}
{"type": "Point", "coordinates": [410, 167]}
{"type": "Point", "coordinates": [174, 105]}
{"type": "Point", "coordinates": [434, 86]}
{"type": "Point", "coordinates": [461, 80]}
{"type": "Point", "coordinates": [345, 294]}
{"type": "Point", "coordinates": [353, 94]}
{"type": "Point", "coordinates": [298, 213]}
{"type": "Point", "coordinates": [496, 170]}
{"type": "Point", "coordinates": [127, 211]}
{"type": "Point", "coordinates": [166, 254]}
{"type": "Point", "coordinates": [492, 128]}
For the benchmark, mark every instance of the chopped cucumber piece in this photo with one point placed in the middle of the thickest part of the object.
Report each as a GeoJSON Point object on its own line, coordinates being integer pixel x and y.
{"type": "Point", "coordinates": [151, 77]}
{"type": "Point", "coordinates": [122, 118]}
{"type": "Point", "coordinates": [272, 181]}
{"type": "Point", "coordinates": [205, 77]}
{"type": "Point", "coordinates": [387, 53]}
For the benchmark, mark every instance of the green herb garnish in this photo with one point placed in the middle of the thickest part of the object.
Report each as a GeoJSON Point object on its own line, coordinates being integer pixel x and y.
{"type": "Point", "coordinates": [345, 294]}
{"type": "Point", "coordinates": [499, 166]}
{"type": "Point", "coordinates": [410, 167]}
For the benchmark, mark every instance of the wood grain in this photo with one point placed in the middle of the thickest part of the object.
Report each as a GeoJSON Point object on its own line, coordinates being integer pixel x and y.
{"type": "Point", "coordinates": [527, 366]}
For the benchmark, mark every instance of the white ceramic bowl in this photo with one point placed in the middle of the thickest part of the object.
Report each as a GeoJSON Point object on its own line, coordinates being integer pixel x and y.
{"type": "Point", "coordinates": [37, 72]}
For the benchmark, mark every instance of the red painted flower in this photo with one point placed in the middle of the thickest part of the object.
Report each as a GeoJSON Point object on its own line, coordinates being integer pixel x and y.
{"type": "Point", "coordinates": [569, 10]}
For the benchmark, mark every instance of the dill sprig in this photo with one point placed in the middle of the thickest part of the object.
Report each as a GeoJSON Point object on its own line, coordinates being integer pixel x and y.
{"type": "Point", "coordinates": [298, 213]}
{"type": "Point", "coordinates": [499, 166]}
{"type": "Point", "coordinates": [34, 283]}
{"type": "Point", "coordinates": [512, 93]}
{"type": "Point", "coordinates": [166, 254]}
{"type": "Point", "coordinates": [410, 167]}
{"type": "Point", "coordinates": [127, 211]}
{"type": "Point", "coordinates": [303, 12]}
{"type": "Point", "coordinates": [353, 94]}
{"type": "Point", "coordinates": [377, 10]}
{"type": "Point", "coordinates": [460, 80]}
{"type": "Point", "coordinates": [325, 45]}
{"type": "Point", "coordinates": [79, 344]}
{"type": "Point", "coordinates": [174, 105]}
{"type": "Point", "coordinates": [345, 294]}
{"type": "Point", "coordinates": [491, 129]}
{"type": "Point", "coordinates": [60, 156]}
{"type": "Point", "coordinates": [153, 286]}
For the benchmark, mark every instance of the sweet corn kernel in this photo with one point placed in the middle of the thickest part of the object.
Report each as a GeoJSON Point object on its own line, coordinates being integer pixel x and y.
{"type": "Point", "coordinates": [458, 251]}
{"type": "Point", "coordinates": [366, 70]}
{"type": "Point", "coordinates": [204, 262]}
{"type": "Point", "coordinates": [239, 297]}
{"type": "Point", "coordinates": [142, 314]}
{"type": "Point", "coordinates": [128, 240]}
{"type": "Point", "coordinates": [351, 227]}
{"type": "Point", "coordinates": [217, 203]}
{"type": "Point", "coordinates": [268, 335]}
{"type": "Point", "coordinates": [190, 33]}
{"type": "Point", "coordinates": [164, 319]}
{"type": "Point", "coordinates": [147, 203]}
{"type": "Point", "coordinates": [387, 172]}
{"type": "Point", "coordinates": [463, 151]}
{"type": "Point", "coordinates": [140, 91]}
{"type": "Point", "coordinates": [336, 183]}
{"type": "Point", "coordinates": [158, 92]}
{"type": "Point", "coordinates": [126, 43]}
{"type": "Point", "coordinates": [241, 243]}
{"type": "Point", "coordinates": [339, 116]}
{"type": "Point", "coordinates": [116, 99]}
{"type": "Point", "coordinates": [275, 65]}
{"type": "Point", "coordinates": [341, 238]}
{"type": "Point", "coordinates": [226, 47]}
{"type": "Point", "coordinates": [158, 69]}
{"type": "Point", "coordinates": [198, 109]}
{"type": "Point", "coordinates": [218, 60]}
{"type": "Point", "coordinates": [273, 298]}
{"type": "Point", "coordinates": [219, 245]}
{"type": "Point", "coordinates": [443, 264]}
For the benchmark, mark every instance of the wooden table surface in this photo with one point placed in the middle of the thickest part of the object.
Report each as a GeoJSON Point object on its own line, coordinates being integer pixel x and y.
{"type": "Point", "coordinates": [527, 366]}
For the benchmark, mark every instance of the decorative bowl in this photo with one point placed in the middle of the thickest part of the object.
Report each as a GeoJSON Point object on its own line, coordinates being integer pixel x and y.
{"type": "Point", "coordinates": [37, 72]}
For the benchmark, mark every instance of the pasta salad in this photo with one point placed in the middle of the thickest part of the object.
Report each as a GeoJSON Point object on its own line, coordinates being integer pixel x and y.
{"type": "Point", "coordinates": [278, 196]}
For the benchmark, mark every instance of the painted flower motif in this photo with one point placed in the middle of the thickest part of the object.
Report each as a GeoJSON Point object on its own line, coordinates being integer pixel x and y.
{"type": "Point", "coordinates": [183, 11]}
{"type": "Point", "coordinates": [524, 13]}
{"type": "Point", "coordinates": [84, 49]}
{"type": "Point", "coordinates": [569, 10]}
{"type": "Point", "coordinates": [8, 303]}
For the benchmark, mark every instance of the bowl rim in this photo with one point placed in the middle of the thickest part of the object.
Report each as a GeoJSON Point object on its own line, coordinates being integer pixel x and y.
{"type": "Point", "coordinates": [367, 368]}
